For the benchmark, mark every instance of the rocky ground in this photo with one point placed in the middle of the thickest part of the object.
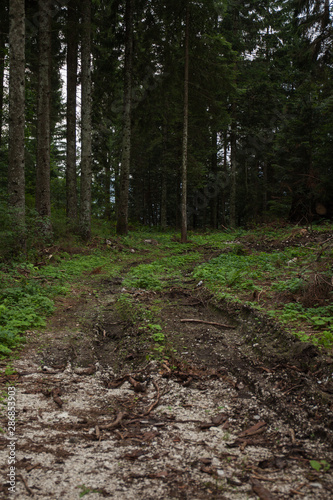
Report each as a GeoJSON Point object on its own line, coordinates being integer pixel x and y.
{"type": "Point", "coordinates": [237, 410]}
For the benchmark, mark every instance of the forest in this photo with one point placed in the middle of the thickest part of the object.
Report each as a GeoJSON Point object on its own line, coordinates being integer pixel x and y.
{"type": "Point", "coordinates": [178, 114]}
{"type": "Point", "coordinates": [166, 246]}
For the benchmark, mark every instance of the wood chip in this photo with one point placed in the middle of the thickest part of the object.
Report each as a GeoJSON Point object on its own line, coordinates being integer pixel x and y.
{"type": "Point", "coordinates": [262, 492]}
{"type": "Point", "coordinates": [255, 429]}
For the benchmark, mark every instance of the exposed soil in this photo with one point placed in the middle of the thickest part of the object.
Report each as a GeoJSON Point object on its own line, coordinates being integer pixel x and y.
{"type": "Point", "coordinates": [237, 411]}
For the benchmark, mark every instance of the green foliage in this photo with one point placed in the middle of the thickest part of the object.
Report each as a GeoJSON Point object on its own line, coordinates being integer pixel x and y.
{"type": "Point", "coordinates": [237, 271]}
{"type": "Point", "coordinates": [85, 490]}
{"type": "Point", "coordinates": [320, 466]}
{"type": "Point", "coordinates": [292, 285]}
{"type": "Point", "coordinates": [157, 275]}
{"type": "Point", "coordinates": [21, 308]}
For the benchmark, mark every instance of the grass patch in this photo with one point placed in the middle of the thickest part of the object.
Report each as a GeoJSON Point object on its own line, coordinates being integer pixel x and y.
{"type": "Point", "coordinates": [285, 272]}
{"type": "Point", "coordinates": [158, 274]}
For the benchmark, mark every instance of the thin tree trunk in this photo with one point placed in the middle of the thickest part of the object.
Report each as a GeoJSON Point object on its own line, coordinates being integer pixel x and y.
{"type": "Point", "coordinates": [72, 48]}
{"type": "Point", "coordinates": [164, 191]}
{"type": "Point", "coordinates": [2, 72]}
{"type": "Point", "coordinates": [265, 187]}
{"type": "Point", "coordinates": [233, 146]}
{"type": "Point", "coordinates": [107, 187]}
{"type": "Point", "coordinates": [43, 192]}
{"type": "Point", "coordinates": [164, 200]}
{"type": "Point", "coordinates": [214, 163]}
{"type": "Point", "coordinates": [224, 176]}
{"type": "Point", "coordinates": [122, 217]}
{"type": "Point", "coordinates": [86, 172]}
{"type": "Point", "coordinates": [16, 164]}
{"type": "Point", "coordinates": [183, 237]}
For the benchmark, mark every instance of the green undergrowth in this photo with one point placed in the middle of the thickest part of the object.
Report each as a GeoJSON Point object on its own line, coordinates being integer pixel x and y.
{"type": "Point", "coordinates": [288, 276]}
{"type": "Point", "coordinates": [161, 273]}
{"type": "Point", "coordinates": [22, 308]}
{"type": "Point", "coordinates": [145, 318]}
{"type": "Point", "coordinates": [293, 285]}
{"type": "Point", "coordinates": [27, 292]}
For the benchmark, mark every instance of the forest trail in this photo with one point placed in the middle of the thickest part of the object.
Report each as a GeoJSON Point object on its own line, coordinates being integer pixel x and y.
{"type": "Point", "coordinates": [228, 407]}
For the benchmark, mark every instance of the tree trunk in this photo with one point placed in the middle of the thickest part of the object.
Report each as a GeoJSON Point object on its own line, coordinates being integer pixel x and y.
{"type": "Point", "coordinates": [16, 164]}
{"type": "Point", "coordinates": [183, 237]}
{"type": "Point", "coordinates": [164, 200]}
{"type": "Point", "coordinates": [233, 145]}
{"type": "Point", "coordinates": [43, 194]}
{"type": "Point", "coordinates": [72, 48]}
{"type": "Point", "coordinates": [122, 215]}
{"type": "Point", "coordinates": [107, 186]}
{"type": "Point", "coordinates": [2, 72]}
{"type": "Point", "coordinates": [214, 164]}
{"type": "Point", "coordinates": [86, 173]}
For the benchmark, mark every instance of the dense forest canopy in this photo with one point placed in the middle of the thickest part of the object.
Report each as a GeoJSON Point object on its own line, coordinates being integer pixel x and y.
{"type": "Point", "coordinates": [124, 109]}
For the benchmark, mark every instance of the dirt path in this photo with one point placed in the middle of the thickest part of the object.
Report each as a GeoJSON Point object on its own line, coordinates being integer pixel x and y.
{"type": "Point", "coordinates": [240, 411]}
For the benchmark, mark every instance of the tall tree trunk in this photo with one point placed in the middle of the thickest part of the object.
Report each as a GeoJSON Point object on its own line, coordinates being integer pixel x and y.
{"type": "Point", "coordinates": [164, 200]}
{"type": "Point", "coordinates": [183, 237]}
{"type": "Point", "coordinates": [164, 191]}
{"type": "Point", "coordinates": [16, 177]}
{"type": "Point", "coordinates": [43, 192]}
{"type": "Point", "coordinates": [86, 172]}
{"type": "Point", "coordinates": [122, 214]}
{"type": "Point", "coordinates": [72, 48]}
{"type": "Point", "coordinates": [214, 163]}
{"type": "Point", "coordinates": [265, 186]}
{"type": "Point", "coordinates": [233, 146]}
{"type": "Point", "coordinates": [224, 176]}
{"type": "Point", "coordinates": [2, 72]}
{"type": "Point", "coordinates": [4, 29]}
{"type": "Point", "coordinates": [107, 186]}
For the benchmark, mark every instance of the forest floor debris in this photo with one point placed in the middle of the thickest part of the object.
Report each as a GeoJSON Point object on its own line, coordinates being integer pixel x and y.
{"type": "Point", "coordinates": [110, 404]}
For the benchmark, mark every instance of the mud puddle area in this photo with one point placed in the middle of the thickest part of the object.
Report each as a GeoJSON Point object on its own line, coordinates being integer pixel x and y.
{"type": "Point", "coordinates": [135, 394]}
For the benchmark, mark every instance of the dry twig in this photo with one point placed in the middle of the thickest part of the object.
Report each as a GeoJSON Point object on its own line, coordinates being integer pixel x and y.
{"type": "Point", "coordinates": [213, 323]}
{"type": "Point", "coordinates": [29, 490]}
{"type": "Point", "coordinates": [114, 424]}
{"type": "Point", "coordinates": [152, 406]}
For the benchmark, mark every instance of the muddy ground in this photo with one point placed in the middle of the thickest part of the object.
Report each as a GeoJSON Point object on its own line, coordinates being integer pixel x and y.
{"type": "Point", "coordinates": [231, 407]}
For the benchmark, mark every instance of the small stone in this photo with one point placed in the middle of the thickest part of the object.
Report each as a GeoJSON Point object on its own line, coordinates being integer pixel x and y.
{"type": "Point", "coordinates": [316, 485]}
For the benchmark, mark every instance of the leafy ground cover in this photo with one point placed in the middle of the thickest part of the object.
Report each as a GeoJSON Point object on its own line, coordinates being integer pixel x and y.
{"type": "Point", "coordinates": [169, 370]}
{"type": "Point", "coordinates": [285, 272]}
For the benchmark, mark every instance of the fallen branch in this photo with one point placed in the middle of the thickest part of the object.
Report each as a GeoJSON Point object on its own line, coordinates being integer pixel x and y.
{"type": "Point", "coordinates": [255, 429]}
{"type": "Point", "coordinates": [114, 424]}
{"type": "Point", "coordinates": [29, 490]}
{"type": "Point", "coordinates": [138, 387]}
{"type": "Point", "coordinates": [152, 406]}
{"type": "Point", "coordinates": [206, 322]}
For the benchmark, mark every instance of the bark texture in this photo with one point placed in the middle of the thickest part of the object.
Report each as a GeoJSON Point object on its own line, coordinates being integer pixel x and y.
{"type": "Point", "coordinates": [183, 237]}
{"type": "Point", "coordinates": [43, 193]}
{"type": "Point", "coordinates": [122, 213]}
{"type": "Point", "coordinates": [72, 49]}
{"type": "Point", "coordinates": [86, 174]}
{"type": "Point", "coordinates": [16, 164]}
